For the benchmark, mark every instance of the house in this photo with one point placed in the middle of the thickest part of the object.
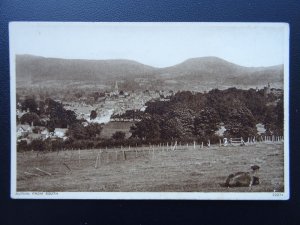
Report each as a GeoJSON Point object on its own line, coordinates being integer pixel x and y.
{"type": "Point", "coordinates": [23, 130]}
{"type": "Point", "coordinates": [45, 132]}
{"type": "Point", "coordinates": [60, 132]}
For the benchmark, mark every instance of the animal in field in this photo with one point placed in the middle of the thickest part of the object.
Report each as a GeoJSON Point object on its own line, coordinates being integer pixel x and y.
{"type": "Point", "coordinates": [243, 179]}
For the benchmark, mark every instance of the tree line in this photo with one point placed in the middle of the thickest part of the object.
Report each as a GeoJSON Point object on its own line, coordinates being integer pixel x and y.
{"type": "Point", "coordinates": [197, 116]}
{"type": "Point", "coordinates": [186, 117]}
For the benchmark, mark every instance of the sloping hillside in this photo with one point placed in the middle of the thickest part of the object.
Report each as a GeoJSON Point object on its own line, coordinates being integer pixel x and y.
{"type": "Point", "coordinates": [206, 70]}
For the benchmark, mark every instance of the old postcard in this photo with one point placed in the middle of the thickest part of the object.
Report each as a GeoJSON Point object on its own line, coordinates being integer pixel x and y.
{"type": "Point", "coordinates": [149, 110]}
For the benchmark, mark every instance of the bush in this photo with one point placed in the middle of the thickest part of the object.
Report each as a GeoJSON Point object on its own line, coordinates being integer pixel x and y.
{"type": "Point", "coordinates": [22, 146]}
{"type": "Point", "coordinates": [29, 118]}
{"type": "Point", "coordinates": [57, 144]}
{"type": "Point", "coordinates": [119, 135]}
{"type": "Point", "coordinates": [38, 145]}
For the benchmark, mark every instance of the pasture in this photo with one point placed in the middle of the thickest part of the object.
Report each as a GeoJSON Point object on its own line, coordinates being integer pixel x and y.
{"type": "Point", "coordinates": [150, 169]}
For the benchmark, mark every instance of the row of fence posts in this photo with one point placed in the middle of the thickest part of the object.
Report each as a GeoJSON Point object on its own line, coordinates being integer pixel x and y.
{"type": "Point", "coordinates": [251, 140]}
{"type": "Point", "coordinates": [151, 151]}
{"type": "Point", "coordinates": [272, 138]}
{"type": "Point", "coordinates": [172, 147]}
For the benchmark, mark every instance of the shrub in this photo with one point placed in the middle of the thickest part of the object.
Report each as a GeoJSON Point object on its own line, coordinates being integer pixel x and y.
{"type": "Point", "coordinates": [119, 135]}
{"type": "Point", "coordinates": [22, 146]}
{"type": "Point", "coordinates": [38, 145]}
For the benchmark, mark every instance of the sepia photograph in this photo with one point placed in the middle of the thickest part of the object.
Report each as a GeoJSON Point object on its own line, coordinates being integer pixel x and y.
{"type": "Point", "coordinates": [164, 110]}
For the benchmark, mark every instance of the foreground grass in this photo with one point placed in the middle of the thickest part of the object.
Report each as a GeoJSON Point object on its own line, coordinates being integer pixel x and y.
{"type": "Point", "coordinates": [144, 170]}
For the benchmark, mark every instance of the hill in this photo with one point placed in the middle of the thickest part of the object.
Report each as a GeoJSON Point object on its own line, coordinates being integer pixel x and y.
{"type": "Point", "coordinates": [39, 68]}
{"type": "Point", "coordinates": [218, 70]}
{"type": "Point", "coordinates": [190, 74]}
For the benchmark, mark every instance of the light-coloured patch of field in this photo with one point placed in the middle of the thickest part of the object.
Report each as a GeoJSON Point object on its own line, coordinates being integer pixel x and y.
{"type": "Point", "coordinates": [148, 170]}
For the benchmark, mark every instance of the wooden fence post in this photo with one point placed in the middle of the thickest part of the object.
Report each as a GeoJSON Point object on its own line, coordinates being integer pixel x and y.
{"type": "Point", "coordinates": [107, 159]}
{"type": "Point", "coordinates": [97, 159]}
{"type": "Point", "coordinates": [202, 144]}
{"type": "Point", "coordinates": [175, 145]}
{"type": "Point", "coordinates": [79, 159]}
{"type": "Point", "coordinates": [153, 152]}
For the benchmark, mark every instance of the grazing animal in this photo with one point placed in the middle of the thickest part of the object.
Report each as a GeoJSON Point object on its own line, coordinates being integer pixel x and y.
{"type": "Point", "coordinates": [243, 179]}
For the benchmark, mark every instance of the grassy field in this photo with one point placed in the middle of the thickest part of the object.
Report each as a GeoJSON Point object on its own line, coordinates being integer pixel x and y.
{"type": "Point", "coordinates": [144, 170]}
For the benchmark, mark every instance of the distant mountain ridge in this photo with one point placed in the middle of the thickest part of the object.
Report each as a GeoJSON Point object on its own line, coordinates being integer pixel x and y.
{"type": "Point", "coordinates": [40, 68]}
{"type": "Point", "coordinates": [206, 69]}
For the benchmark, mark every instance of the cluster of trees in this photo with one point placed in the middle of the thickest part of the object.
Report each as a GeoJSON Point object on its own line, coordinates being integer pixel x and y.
{"type": "Point", "coordinates": [41, 145]}
{"type": "Point", "coordinates": [189, 116]}
{"type": "Point", "coordinates": [130, 115]}
{"type": "Point", "coordinates": [79, 132]}
{"type": "Point", "coordinates": [48, 113]}
{"type": "Point", "coordinates": [85, 139]}
{"type": "Point", "coordinates": [186, 117]}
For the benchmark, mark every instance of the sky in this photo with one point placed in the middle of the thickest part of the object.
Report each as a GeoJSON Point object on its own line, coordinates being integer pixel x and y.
{"type": "Point", "coordinates": [154, 44]}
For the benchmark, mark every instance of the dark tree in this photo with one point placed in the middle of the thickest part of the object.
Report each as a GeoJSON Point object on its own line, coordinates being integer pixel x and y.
{"type": "Point", "coordinates": [77, 131]}
{"type": "Point", "coordinates": [38, 145]}
{"type": "Point", "coordinates": [93, 130]}
{"type": "Point", "coordinates": [30, 118]}
{"type": "Point", "coordinates": [240, 123]}
{"type": "Point", "coordinates": [30, 104]}
{"type": "Point", "coordinates": [147, 129]}
{"type": "Point", "coordinates": [78, 95]}
{"type": "Point", "coordinates": [274, 119]}
{"type": "Point", "coordinates": [119, 135]}
{"type": "Point", "coordinates": [206, 122]}
{"type": "Point", "coordinates": [172, 128]}
{"type": "Point", "coordinates": [59, 117]}
{"type": "Point", "coordinates": [22, 146]}
{"type": "Point", "coordinates": [57, 144]}
{"type": "Point", "coordinates": [69, 116]}
{"type": "Point", "coordinates": [93, 114]}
